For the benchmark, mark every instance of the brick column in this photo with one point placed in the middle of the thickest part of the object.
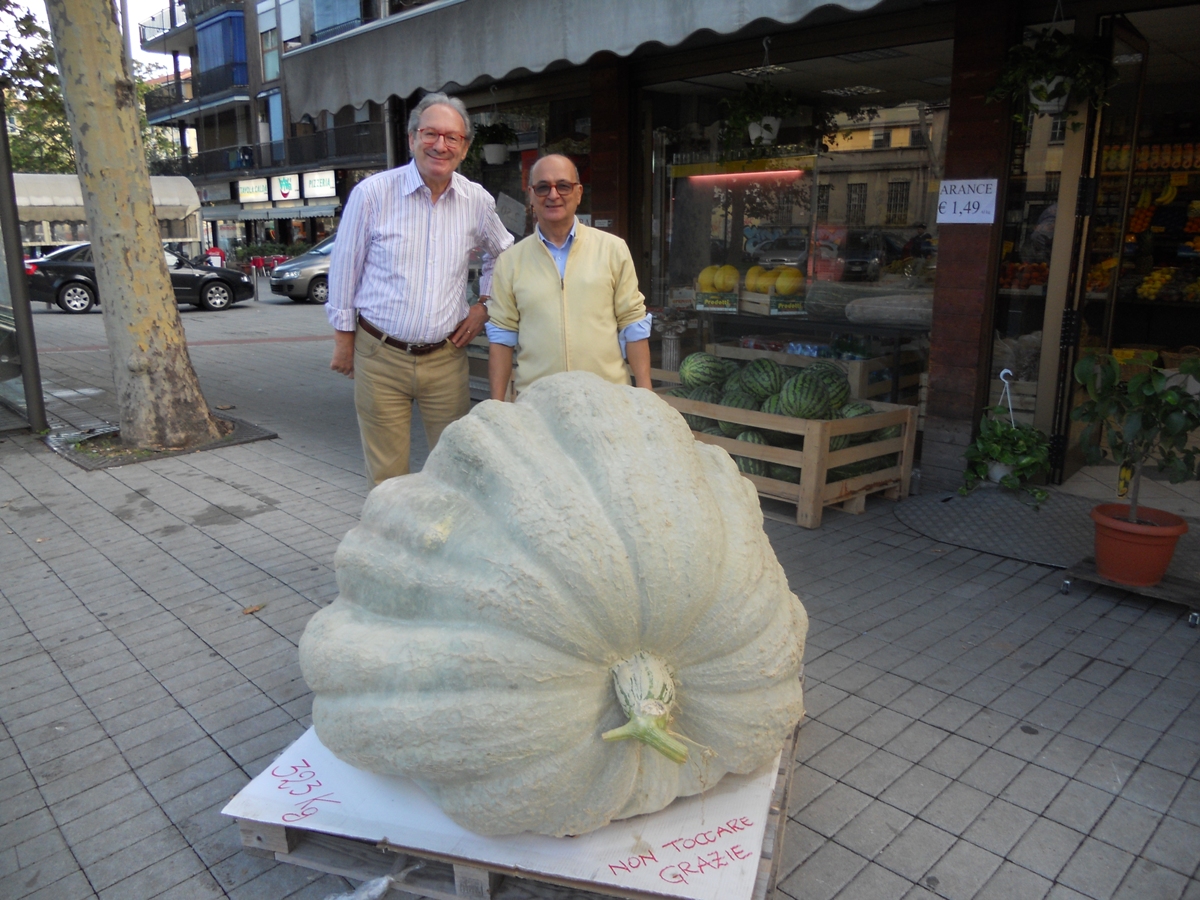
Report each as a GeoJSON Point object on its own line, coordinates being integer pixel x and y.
{"type": "Point", "coordinates": [964, 295]}
{"type": "Point", "coordinates": [610, 143]}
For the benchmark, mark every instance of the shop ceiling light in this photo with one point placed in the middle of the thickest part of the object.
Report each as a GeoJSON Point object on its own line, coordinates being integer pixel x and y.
{"type": "Point", "coordinates": [1127, 59]}
{"type": "Point", "coordinates": [759, 71]}
{"type": "Point", "coordinates": [856, 90]}
{"type": "Point", "coordinates": [871, 55]}
{"type": "Point", "coordinates": [785, 176]}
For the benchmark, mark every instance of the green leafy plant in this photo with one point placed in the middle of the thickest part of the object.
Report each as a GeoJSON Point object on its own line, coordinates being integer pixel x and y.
{"type": "Point", "coordinates": [1036, 67]}
{"type": "Point", "coordinates": [755, 103]}
{"type": "Point", "coordinates": [1147, 418]}
{"type": "Point", "coordinates": [496, 133]}
{"type": "Point", "coordinates": [1023, 447]}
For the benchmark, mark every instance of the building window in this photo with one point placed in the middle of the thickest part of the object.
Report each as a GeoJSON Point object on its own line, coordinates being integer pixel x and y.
{"type": "Point", "coordinates": [1053, 182]}
{"type": "Point", "coordinates": [856, 204]}
{"type": "Point", "coordinates": [1058, 129]}
{"type": "Point", "coordinates": [823, 192]}
{"type": "Point", "coordinates": [220, 54]}
{"type": "Point", "coordinates": [270, 54]}
{"type": "Point", "coordinates": [289, 24]}
{"type": "Point", "coordinates": [916, 136]}
{"type": "Point", "coordinates": [881, 140]}
{"type": "Point", "coordinates": [897, 203]}
{"type": "Point", "coordinates": [270, 123]}
{"type": "Point", "coordinates": [331, 17]}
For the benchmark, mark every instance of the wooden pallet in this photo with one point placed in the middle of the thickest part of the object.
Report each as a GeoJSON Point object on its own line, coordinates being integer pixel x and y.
{"type": "Point", "coordinates": [439, 877]}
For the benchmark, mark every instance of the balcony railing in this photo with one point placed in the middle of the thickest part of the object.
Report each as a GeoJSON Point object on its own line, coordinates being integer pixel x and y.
{"type": "Point", "coordinates": [168, 95]}
{"type": "Point", "coordinates": [333, 30]}
{"type": "Point", "coordinates": [222, 78]}
{"type": "Point", "coordinates": [199, 7]}
{"type": "Point", "coordinates": [162, 22]}
{"type": "Point", "coordinates": [214, 162]}
{"type": "Point", "coordinates": [364, 139]}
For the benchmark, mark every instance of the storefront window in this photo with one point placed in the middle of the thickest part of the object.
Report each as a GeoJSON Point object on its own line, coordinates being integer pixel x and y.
{"type": "Point", "coordinates": [832, 220]}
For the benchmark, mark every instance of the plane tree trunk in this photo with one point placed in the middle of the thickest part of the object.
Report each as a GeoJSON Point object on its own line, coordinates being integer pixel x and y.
{"type": "Point", "coordinates": [159, 396]}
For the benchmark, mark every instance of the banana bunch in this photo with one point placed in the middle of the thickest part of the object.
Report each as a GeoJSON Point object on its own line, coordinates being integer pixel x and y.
{"type": "Point", "coordinates": [1167, 196]}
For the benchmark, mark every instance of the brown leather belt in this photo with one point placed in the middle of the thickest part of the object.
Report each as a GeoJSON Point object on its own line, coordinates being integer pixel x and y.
{"type": "Point", "coordinates": [414, 349]}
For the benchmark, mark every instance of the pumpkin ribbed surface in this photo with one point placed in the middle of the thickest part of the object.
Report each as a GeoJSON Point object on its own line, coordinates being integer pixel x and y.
{"type": "Point", "coordinates": [486, 603]}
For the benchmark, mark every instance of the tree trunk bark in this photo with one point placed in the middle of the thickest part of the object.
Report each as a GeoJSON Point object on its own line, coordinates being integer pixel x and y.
{"type": "Point", "coordinates": [159, 397]}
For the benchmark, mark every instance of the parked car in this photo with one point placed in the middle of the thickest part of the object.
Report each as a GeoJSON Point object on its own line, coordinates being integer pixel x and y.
{"type": "Point", "coordinates": [67, 277]}
{"type": "Point", "coordinates": [791, 250]}
{"type": "Point", "coordinates": [305, 278]}
{"type": "Point", "coordinates": [864, 256]}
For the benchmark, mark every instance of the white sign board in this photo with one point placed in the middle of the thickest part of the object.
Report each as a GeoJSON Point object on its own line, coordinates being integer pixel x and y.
{"type": "Point", "coordinates": [705, 847]}
{"type": "Point", "coordinates": [214, 192]}
{"type": "Point", "coordinates": [285, 187]}
{"type": "Point", "coordinates": [253, 190]}
{"type": "Point", "coordinates": [511, 213]}
{"type": "Point", "coordinates": [319, 184]}
{"type": "Point", "coordinates": [967, 202]}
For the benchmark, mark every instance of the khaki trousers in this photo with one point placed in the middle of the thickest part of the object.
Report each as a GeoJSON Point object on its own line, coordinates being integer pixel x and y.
{"type": "Point", "coordinates": [387, 382]}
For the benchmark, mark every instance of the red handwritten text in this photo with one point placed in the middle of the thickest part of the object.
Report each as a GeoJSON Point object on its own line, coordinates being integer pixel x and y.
{"type": "Point", "coordinates": [683, 872]}
{"type": "Point", "coordinates": [301, 781]}
{"type": "Point", "coordinates": [634, 862]}
{"type": "Point", "coordinates": [709, 837]}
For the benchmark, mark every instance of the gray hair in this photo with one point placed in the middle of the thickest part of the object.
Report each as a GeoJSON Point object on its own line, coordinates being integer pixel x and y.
{"type": "Point", "coordinates": [440, 99]}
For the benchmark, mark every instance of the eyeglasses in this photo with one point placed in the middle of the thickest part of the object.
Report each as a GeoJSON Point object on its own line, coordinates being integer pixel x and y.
{"type": "Point", "coordinates": [542, 188]}
{"type": "Point", "coordinates": [429, 137]}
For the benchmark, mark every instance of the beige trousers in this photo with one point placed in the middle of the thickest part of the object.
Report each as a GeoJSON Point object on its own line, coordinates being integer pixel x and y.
{"type": "Point", "coordinates": [387, 382]}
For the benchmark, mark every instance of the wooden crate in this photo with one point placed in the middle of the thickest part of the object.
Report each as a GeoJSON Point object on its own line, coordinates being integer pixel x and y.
{"type": "Point", "coordinates": [857, 370]}
{"type": "Point", "coordinates": [815, 459]}
{"type": "Point", "coordinates": [439, 877]}
{"type": "Point", "coordinates": [771, 304]}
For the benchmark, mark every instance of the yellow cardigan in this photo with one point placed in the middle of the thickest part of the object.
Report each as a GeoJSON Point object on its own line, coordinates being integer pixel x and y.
{"type": "Point", "coordinates": [569, 324]}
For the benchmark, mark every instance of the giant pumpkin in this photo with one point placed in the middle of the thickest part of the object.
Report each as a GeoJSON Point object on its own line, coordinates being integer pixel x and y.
{"type": "Point", "coordinates": [572, 615]}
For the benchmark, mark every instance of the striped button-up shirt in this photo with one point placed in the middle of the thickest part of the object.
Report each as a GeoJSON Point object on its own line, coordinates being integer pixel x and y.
{"type": "Point", "coordinates": [401, 260]}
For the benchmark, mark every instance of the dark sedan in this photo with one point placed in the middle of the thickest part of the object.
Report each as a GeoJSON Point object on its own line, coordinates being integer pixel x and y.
{"type": "Point", "coordinates": [67, 277]}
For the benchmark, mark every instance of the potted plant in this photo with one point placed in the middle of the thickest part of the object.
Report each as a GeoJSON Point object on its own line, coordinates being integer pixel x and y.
{"type": "Point", "coordinates": [1053, 73]}
{"type": "Point", "coordinates": [758, 111]}
{"type": "Point", "coordinates": [495, 140]}
{"type": "Point", "coordinates": [1008, 454]}
{"type": "Point", "coordinates": [1148, 417]}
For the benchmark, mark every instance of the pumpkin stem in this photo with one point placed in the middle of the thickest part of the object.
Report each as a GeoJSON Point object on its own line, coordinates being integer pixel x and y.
{"type": "Point", "coordinates": [646, 691]}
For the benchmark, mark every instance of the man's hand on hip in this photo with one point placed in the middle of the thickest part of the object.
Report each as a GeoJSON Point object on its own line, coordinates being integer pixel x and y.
{"type": "Point", "coordinates": [471, 326]}
{"type": "Point", "coordinates": [343, 353]}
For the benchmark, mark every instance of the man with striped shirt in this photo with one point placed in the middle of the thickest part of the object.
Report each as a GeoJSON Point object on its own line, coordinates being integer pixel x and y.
{"type": "Point", "coordinates": [397, 286]}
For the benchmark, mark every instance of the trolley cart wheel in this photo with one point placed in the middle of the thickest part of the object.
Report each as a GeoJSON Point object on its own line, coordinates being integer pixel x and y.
{"type": "Point", "coordinates": [1066, 586]}
{"type": "Point", "coordinates": [1193, 619]}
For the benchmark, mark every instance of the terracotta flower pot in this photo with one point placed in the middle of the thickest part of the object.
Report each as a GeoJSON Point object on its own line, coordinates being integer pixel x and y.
{"type": "Point", "coordinates": [1135, 554]}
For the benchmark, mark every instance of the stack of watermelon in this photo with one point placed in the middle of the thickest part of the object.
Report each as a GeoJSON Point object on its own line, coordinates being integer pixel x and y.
{"type": "Point", "coordinates": [818, 391]}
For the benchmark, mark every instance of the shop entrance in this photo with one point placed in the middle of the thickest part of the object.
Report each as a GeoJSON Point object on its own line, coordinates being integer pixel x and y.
{"type": "Point", "coordinates": [1135, 268]}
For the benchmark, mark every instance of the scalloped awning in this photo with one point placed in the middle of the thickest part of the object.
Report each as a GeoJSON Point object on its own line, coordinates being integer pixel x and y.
{"type": "Point", "coordinates": [459, 41]}
{"type": "Point", "coordinates": [59, 198]}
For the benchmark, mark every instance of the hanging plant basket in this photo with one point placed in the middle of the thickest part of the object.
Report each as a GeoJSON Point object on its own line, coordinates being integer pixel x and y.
{"type": "Point", "coordinates": [1052, 73]}
{"type": "Point", "coordinates": [495, 140]}
{"type": "Point", "coordinates": [495, 154]}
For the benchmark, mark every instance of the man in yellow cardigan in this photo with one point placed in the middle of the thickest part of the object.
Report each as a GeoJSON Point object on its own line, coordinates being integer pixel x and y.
{"type": "Point", "coordinates": [569, 292]}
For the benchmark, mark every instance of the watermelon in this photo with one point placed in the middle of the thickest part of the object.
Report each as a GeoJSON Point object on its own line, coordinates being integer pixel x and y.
{"type": "Point", "coordinates": [783, 473]}
{"type": "Point", "coordinates": [862, 467]}
{"type": "Point", "coordinates": [708, 393]}
{"type": "Point", "coordinates": [762, 378]}
{"type": "Point", "coordinates": [699, 369]}
{"type": "Point", "coordinates": [838, 441]}
{"type": "Point", "coordinates": [885, 434]}
{"type": "Point", "coordinates": [835, 382]}
{"type": "Point", "coordinates": [852, 410]}
{"type": "Point", "coordinates": [824, 365]}
{"type": "Point", "coordinates": [773, 406]}
{"type": "Point", "coordinates": [712, 429]}
{"type": "Point", "coordinates": [679, 392]}
{"type": "Point", "coordinates": [733, 384]}
{"type": "Point", "coordinates": [737, 401]}
{"type": "Point", "coordinates": [745, 463]}
{"type": "Point", "coordinates": [805, 396]}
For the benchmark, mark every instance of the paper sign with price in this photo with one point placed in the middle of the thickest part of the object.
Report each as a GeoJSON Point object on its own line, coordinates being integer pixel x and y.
{"type": "Point", "coordinates": [967, 202]}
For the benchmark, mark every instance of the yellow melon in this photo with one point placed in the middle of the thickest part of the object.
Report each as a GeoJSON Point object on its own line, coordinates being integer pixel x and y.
{"type": "Point", "coordinates": [706, 280]}
{"type": "Point", "coordinates": [767, 279]}
{"type": "Point", "coordinates": [752, 277]}
{"type": "Point", "coordinates": [789, 281]}
{"type": "Point", "coordinates": [727, 278]}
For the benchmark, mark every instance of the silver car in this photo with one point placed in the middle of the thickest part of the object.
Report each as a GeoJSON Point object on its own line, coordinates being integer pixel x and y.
{"type": "Point", "coordinates": [305, 278]}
